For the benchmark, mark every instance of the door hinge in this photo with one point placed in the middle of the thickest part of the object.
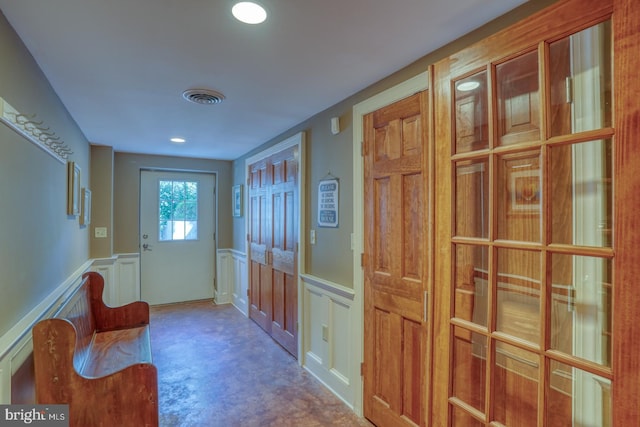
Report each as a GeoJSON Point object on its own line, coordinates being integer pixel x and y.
{"type": "Point", "coordinates": [568, 85]}
{"type": "Point", "coordinates": [426, 305]}
{"type": "Point", "coordinates": [248, 292]}
{"type": "Point", "coordinates": [362, 148]}
{"type": "Point", "coordinates": [248, 237]}
{"type": "Point", "coordinates": [248, 181]}
{"type": "Point", "coordinates": [362, 259]}
{"type": "Point", "coordinates": [362, 369]}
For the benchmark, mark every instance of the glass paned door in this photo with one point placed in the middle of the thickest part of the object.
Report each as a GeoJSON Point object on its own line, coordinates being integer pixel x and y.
{"type": "Point", "coordinates": [531, 235]}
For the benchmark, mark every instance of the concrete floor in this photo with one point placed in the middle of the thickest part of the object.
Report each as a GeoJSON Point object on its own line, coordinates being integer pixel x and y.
{"type": "Point", "coordinates": [218, 368]}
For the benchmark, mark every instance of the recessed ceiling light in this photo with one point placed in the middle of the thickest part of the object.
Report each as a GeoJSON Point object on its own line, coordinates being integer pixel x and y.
{"type": "Point", "coordinates": [249, 12]}
{"type": "Point", "coordinates": [178, 140]}
{"type": "Point", "coordinates": [467, 86]}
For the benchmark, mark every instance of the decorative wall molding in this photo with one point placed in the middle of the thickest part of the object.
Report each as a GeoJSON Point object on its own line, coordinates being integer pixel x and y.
{"type": "Point", "coordinates": [332, 337]}
{"type": "Point", "coordinates": [121, 274]}
{"type": "Point", "coordinates": [34, 131]}
{"type": "Point", "coordinates": [16, 345]}
{"type": "Point", "coordinates": [232, 281]}
{"type": "Point", "coordinates": [122, 285]}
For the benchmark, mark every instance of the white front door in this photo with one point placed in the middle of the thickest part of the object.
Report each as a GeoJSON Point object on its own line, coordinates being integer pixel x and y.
{"type": "Point", "coordinates": [177, 240]}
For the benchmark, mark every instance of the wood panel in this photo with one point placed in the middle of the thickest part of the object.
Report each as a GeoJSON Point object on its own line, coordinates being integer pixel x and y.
{"type": "Point", "coordinates": [626, 316]}
{"type": "Point", "coordinates": [273, 194]}
{"type": "Point", "coordinates": [523, 386]}
{"type": "Point", "coordinates": [396, 250]}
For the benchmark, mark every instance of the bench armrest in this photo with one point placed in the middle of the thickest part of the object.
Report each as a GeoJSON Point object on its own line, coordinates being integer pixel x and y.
{"type": "Point", "coordinates": [110, 318]}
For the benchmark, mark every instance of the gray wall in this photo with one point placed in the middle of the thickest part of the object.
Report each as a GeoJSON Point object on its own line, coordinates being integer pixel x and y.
{"type": "Point", "coordinates": [102, 200]}
{"type": "Point", "coordinates": [331, 258]}
{"type": "Point", "coordinates": [126, 202]}
{"type": "Point", "coordinates": [40, 246]}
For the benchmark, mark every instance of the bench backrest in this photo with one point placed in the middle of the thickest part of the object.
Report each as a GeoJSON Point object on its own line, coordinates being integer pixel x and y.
{"type": "Point", "coordinates": [78, 311]}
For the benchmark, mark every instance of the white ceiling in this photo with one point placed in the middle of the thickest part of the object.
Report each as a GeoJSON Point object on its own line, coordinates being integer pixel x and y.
{"type": "Point", "coordinates": [120, 66]}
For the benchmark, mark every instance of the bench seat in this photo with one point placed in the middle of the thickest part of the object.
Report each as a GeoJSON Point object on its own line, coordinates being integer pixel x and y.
{"type": "Point", "coordinates": [97, 359]}
{"type": "Point", "coordinates": [112, 351]}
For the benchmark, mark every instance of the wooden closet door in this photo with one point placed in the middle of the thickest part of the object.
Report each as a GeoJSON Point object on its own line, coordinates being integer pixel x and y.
{"type": "Point", "coordinates": [284, 199]}
{"type": "Point", "coordinates": [396, 235]}
{"type": "Point", "coordinates": [260, 234]}
{"type": "Point", "coordinates": [273, 219]}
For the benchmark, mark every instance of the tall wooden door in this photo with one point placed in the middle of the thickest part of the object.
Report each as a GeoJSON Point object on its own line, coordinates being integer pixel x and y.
{"type": "Point", "coordinates": [273, 194]}
{"type": "Point", "coordinates": [527, 271]}
{"type": "Point", "coordinates": [396, 236]}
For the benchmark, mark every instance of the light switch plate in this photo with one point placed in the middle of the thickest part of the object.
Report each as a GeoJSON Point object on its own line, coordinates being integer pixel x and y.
{"type": "Point", "coordinates": [100, 232]}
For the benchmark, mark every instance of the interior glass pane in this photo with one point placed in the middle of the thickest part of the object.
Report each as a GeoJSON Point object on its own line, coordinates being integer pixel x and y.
{"type": "Point", "coordinates": [471, 125]}
{"type": "Point", "coordinates": [515, 401]}
{"type": "Point", "coordinates": [518, 299]}
{"type": "Point", "coordinates": [577, 398]}
{"type": "Point", "coordinates": [463, 419]}
{"type": "Point", "coordinates": [471, 285]}
{"type": "Point", "coordinates": [580, 74]}
{"type": "Point", "coordinates": [581, 307]}
{"type": "Point", "coordinates": [581, 195]}
{"type": "Point", "coordinates": [177, 210]}
{"type": "Point", "coordinates": [472, 198]}
{"type": "Point", "coordinates": [518, 99]}
{"type": "Point", "coordinates": [469, 367]}
{"type": "Point", "coordinates": [519, 197]}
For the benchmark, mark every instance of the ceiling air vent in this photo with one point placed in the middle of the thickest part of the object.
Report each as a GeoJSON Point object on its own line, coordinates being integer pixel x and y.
{"type": "Point", "coordinates": [203, 96]}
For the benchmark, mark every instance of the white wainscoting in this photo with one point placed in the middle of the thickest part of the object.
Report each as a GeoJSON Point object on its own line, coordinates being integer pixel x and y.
{"type": "Point", "coordinates": [232, 279]}
{"type": "Point", "coordinates": [122, 285]}
{"type": "Point", "coordinates": [121, 275]}
{"type": "Point", "coordinates": [331, 339]}
{"type": "Point", "coordinates": [16, 345]}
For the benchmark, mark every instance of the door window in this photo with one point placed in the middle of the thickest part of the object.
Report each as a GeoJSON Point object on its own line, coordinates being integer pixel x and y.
{"type": "Point", "coordinates": [178, 210]}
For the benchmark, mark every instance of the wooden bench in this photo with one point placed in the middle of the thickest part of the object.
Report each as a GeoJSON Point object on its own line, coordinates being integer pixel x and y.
{"type": "Point", "coordinates": [97, 359]}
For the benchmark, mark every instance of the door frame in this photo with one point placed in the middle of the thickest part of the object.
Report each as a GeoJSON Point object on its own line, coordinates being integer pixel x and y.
{"type": "Point", "coordinates": [216, 214]}
{"type": "Point", "coordinates": [297, 140]}
{"type": "Point", "coordinates": [400, 91]}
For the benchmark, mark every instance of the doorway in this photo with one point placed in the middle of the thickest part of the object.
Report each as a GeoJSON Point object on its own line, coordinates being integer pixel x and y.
{"type": "Point", "coordinates": [177, 236]}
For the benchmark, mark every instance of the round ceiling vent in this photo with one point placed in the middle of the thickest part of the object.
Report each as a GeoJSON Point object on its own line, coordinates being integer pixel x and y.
{"type": "Point", "coordinates": [203, 96]}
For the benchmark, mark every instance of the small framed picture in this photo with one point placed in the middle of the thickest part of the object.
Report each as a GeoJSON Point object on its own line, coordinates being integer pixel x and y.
{"type": "Point", "coordinates": [73, 189]}
{"type": "Point", "coordinates": [85, 213]}
{"type": "Point", "coordinates": [237, 200]}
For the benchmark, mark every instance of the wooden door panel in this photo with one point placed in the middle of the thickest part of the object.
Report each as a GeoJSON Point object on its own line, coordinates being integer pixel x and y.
{"type": "Point", "coordinates": [395, 330]}
{"type": "Point", "coordinates": [273, 196]}
{"type": "Point", "coordinates": [413, 253]}
{"type": "Point", "coordinates": [284, 252]}
{"type": "Point", "coordinates": [284, 325]}
{"type": "Point", "coordinates": [259, 280]}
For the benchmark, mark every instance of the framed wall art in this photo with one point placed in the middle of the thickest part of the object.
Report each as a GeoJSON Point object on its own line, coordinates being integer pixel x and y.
{"type": "Point", "coordinates": [73, 189]}
{"type": "Point", "coordinates": [237, 200]}
{"type": "Point", "coordinates": [85, 211]}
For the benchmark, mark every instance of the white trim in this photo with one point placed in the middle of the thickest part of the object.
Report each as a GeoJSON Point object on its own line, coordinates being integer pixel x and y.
{"type": "Point", "coordinates": [389, 96]}
{"type": "Point", "coordinates": [293, 141]}
{"type": "Point", "coordinates": [328, 321]}
{"type": "Point", "coordinates": [48, 305]}
{"type": "Point", "coordinates": [232, 280]}
{"type": "Point", "coordinates": [16, 345]}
